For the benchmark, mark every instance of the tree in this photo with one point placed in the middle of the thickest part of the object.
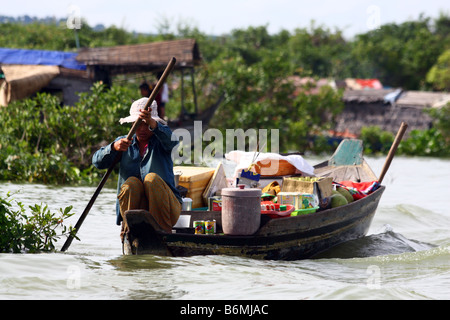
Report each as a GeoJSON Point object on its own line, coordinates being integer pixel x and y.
{"type": "Point", "coordinates": [399, 55]}
{"type": "Point", "coordinates": [439, 74]}
{"type": "Point", "coordinates": [319, 51]}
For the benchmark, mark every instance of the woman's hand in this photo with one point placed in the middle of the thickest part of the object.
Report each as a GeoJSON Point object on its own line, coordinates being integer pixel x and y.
{"type": "Point", "coordinates": [145, 115]}
{"type": "Point", "coordinates": [122, 144]}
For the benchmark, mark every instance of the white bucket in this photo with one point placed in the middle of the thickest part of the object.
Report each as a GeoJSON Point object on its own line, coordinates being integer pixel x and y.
{"type": "Point", "coordinates": [187, 204]}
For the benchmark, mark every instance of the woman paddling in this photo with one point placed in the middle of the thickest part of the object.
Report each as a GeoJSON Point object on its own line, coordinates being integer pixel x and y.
{"type": "Point", "coordinates": [146, 179]}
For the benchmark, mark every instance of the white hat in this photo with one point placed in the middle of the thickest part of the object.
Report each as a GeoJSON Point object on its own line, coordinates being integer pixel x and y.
{"type": "Point", "coordinates": [136, 108]}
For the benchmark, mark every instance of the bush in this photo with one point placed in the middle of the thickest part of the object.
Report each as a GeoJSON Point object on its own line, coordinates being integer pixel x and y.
{"type": "Point", "coordinates": [425, 143]}
{"type": "Point", "coordinates": [44, 142]}
{"type": "Point", "coordinates": [432, 142]}
{"type": "Point", "coordinates": [376, 140]}
{"type": "Point", "coordinates": [33, 233]}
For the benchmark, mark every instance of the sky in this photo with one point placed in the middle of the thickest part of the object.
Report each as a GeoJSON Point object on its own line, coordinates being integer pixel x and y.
{"type": "Point", "coordinates": [221, 17]}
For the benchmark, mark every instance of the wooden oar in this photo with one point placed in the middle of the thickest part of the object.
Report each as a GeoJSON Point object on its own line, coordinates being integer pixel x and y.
{"type": "Point", "coordinates": [392, 151]}
{"type": "Point", "coordinates": [136, 124]}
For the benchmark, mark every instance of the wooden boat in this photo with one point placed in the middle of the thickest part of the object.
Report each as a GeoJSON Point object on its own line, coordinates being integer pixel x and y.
{"type": "Point", "coordinates": [287, 238]}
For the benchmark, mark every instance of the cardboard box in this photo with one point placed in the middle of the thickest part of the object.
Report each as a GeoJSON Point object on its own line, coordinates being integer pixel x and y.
{"type": "Point", "coordinates": [292, 184]}
{"type": "Point", "coordinates": [195, 179]}
{"type": "Point", "coordinates": [292, 198]}
{"type": "Point", "coordinates": [298, 200]}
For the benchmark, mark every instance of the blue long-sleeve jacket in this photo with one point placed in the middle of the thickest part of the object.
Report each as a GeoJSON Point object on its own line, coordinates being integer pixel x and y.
{"type": "Point", "coordinates": [157, 159]}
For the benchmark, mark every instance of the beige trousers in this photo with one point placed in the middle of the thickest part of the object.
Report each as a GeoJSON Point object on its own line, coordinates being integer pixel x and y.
{"type": "Point", "coordinates": [153, 195]}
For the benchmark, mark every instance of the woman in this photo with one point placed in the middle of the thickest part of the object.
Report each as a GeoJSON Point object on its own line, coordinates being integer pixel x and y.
{"type": "Point", "coordinates": [146, 179]}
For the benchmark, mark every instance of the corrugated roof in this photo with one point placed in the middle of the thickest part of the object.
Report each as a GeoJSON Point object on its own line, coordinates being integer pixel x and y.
{"type": "Point", "coordinates": [423, 98]}
{"type": "Point", "coordinates": [142, 57]}
{"type": "Point", "coordinates": [366, 95]}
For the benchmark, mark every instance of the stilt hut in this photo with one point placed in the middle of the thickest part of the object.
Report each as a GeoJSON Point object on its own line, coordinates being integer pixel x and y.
{"type": "Point", "coordinates": [106, 62]}
{"type": "Point", "coordinates": [387, 109]}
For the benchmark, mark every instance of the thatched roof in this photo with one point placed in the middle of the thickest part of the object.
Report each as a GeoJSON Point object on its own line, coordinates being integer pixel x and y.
{"type": "Point", "coordinates": [23, 80]}
{"type": "Point", "coordinates": [146, 57]}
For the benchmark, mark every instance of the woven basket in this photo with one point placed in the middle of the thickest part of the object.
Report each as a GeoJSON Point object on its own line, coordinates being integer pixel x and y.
{"type": "Point", "coordinates": [274, 168]}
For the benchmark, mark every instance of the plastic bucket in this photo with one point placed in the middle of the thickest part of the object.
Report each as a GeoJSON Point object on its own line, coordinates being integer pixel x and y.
{"type": "Point", "coordinates": [241, 211]}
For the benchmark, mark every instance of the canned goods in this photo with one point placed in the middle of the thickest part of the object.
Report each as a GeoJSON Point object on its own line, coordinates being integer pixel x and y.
{"type": "Point", "coordinates": [215, 204]}
{"type": "Point", "coordinates": [199, 226]}
{"type": "Point", "coordinates": [210, 226]}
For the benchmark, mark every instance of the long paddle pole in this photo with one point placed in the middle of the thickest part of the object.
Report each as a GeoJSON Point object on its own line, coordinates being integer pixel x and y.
{"type": "Point", "coordinates": [132, 131]}
{"type": "Point", "coordinates": [392, 151]}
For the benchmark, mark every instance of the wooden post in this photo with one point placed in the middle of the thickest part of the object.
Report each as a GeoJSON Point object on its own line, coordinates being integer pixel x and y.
{"type": "Point", "coordinates": [392, 151]}
{"type": "Point", "coordinates": [193, 90]}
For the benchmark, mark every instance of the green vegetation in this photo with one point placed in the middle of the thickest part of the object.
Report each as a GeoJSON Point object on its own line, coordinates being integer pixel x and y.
{"type": "Point", "coordinates": [439, 75]}
{"type": "Point", "coordinates": [30, 233]}
{"type": "Point", "coordinates": [433, 142]}
{"type": "Point", "coordinates": [401, 55]}
{"type": "Point", "coordinates": [43, 141]}
{"type": "Point", "coordinates": [398, 54]}
{"type": "Point", "coordinates": [376, 140]}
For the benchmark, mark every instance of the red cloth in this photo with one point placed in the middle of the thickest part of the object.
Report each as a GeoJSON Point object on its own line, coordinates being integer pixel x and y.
{"type": "Point", "coordinates": [359, 189]}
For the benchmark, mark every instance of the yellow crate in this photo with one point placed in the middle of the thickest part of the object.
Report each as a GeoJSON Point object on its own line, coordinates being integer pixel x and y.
{"type": "Point", "coordinates": [195, 180]}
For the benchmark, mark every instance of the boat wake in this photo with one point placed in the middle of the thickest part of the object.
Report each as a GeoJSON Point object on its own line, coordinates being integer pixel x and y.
{"type": "Point", "coordinates": [384, 243]}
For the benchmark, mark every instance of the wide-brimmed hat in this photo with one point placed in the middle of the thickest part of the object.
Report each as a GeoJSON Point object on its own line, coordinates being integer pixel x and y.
{"type": "Point", "coordinates": [136, 108]}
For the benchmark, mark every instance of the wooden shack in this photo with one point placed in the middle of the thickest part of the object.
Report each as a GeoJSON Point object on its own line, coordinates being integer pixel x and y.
{"type": "Point", "coordinates": [47, 70]}
{"type": "Point", "coordinates": [410, 106]}
{"type": "Point", "coordinates": [387, 109]}
{"type": "Point", "coordinates": [68, 84]}
{"type": "Point", "coordinates": [106, 62]}
{"type": "Point", "coordinates": [24, 72]}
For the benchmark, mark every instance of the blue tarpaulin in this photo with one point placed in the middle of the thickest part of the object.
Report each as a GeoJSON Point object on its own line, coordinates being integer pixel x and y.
{"type": "Point", "coordinates": [40, 57]}
{"type": "Point", "coordinates": [393, 96]}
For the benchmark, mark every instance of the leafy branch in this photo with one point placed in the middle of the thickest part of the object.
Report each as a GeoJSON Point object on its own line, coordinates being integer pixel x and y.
{"type": "Point", "coordinates": [33, 233]}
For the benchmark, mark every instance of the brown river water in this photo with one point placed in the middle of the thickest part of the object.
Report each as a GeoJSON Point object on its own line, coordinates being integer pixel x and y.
{"type": "Point", "coordinates": [406, 254]}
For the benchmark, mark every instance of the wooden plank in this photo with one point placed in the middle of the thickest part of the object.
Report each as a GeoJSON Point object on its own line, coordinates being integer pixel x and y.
{"type": "Point", "coordinates": [360, 173]}
{"type": "Point", "coordinates": [217, 182]}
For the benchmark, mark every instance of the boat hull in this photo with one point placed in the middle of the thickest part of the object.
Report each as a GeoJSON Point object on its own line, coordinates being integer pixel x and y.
{"type": "Point", "coordinates": [288, 238]}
